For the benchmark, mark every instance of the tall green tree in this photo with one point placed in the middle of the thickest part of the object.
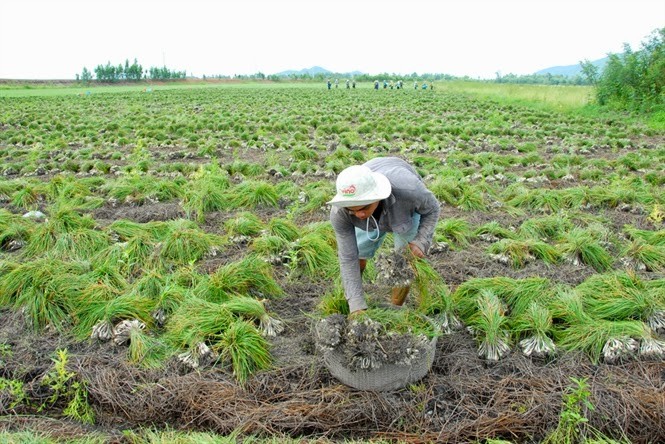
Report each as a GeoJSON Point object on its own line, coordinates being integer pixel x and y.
{"type": "Point", "coordinates": [590, 71]}
{"type": "Point", "coordinates": [86, 76]}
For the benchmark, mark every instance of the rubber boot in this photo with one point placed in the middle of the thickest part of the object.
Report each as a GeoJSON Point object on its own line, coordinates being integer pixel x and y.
{"type": "Point", "coordinates": [398, 295]}
{"type": "Point", "coordinates": [362, 263]}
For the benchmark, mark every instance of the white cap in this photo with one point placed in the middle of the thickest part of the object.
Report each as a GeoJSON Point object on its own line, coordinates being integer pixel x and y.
{"type": "Point", "coordinates": [358, 185]}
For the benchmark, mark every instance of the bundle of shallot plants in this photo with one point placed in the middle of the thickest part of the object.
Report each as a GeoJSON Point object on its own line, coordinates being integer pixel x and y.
{"type": "Point", "coordinates": [434, 297]}
{"type": "Point", "coordinates": [534, 326]}
{"type": "Point", "coordinates": [624, 296]}
{"type": "Point", "coordinates": [611, 341]}
{"type": "Point", "coordinates": [489, 327]}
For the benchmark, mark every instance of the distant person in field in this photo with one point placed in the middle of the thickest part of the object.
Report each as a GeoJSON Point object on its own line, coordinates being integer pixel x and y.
{"type": "Point", "coordinates": [376, 84]}
{"type": "Point", "coordinates": [383, 195]}
{"type": "Point", "coordinates": [385, 84]}
{"type": "Point", "coordinates": [329, 84]}
{"type": "Point", "coordinates": [353, 84]}
{"type": "Point", "coordinates": [336, 83]}
{"type": "Point", "coordinates": [415, 84]}
{"type": "Point", "coordinates": [347, 84]}
{"type": "Point", "coordinates": [424, 85]}
{"type": "Point", "coordinates": [431, 86]}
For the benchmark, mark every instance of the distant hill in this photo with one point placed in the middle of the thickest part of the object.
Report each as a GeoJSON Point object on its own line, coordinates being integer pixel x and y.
{"type": "Point", "coordinates": [313, 71]}
{"type": "Point", "coordinates": [573, 70]}
{"type": "Point", "coordinates": [568, 71]}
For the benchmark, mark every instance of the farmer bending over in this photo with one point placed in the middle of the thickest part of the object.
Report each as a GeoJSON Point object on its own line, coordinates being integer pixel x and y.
{"type": "Point", "coordinates": [383, 195]}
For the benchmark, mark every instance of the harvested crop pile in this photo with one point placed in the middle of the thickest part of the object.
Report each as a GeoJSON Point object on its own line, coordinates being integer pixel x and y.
{"type": "Point", "coordinates": [364, 354]}
{"type": "Point", "coordinates": [393, 270]}
{"type": "Point", "coordinates": [366, 345]}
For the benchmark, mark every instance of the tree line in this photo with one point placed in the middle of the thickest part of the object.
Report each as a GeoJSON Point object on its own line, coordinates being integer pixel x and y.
{"type": "Point", "coordinates": [543, 79]}
{"type": "Point", "coordinates": [128, 73]}
{"type": "Point", "coordinates": [540, 79]}
{"type": "Point", "coordinates": [322, 76]}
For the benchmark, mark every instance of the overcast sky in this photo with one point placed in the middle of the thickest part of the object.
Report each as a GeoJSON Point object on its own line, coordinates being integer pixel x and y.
{"type": "Point", "coordinates": [55, 39]}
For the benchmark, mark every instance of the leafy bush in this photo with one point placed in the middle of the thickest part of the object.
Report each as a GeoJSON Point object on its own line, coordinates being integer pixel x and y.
{"type": "Point", "coordinates": [635, 79]}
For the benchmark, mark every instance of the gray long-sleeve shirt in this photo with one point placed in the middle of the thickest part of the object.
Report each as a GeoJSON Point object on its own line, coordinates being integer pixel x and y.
{"type": "Point", "coordinates": [408, 196]}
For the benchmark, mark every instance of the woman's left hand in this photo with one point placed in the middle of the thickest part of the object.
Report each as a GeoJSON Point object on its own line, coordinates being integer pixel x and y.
{"type": "Point", "coordinates": [417, 252]}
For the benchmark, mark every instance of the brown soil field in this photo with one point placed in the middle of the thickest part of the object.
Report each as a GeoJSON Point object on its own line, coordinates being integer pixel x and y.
{"type": "Point", "coordinates": [462, 399]}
